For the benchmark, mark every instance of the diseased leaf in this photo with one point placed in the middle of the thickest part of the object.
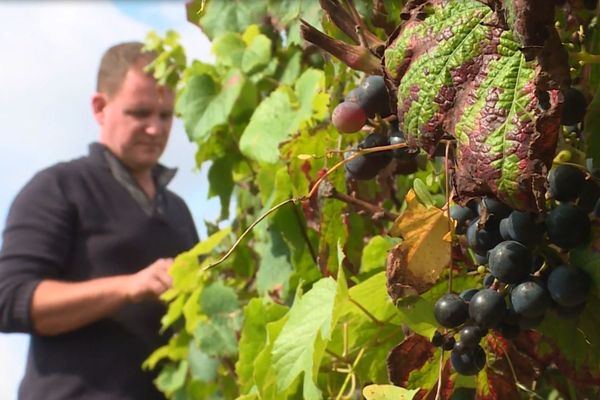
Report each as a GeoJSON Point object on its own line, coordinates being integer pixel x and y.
{"type": "Point", "coordinates": [388, 392]}
{"type": "Point", "coordinates": [410, 355]}
{"type": "Point", "coordinates": [459, 71]}
{"type": "Point", "coordinates": [416, 263]}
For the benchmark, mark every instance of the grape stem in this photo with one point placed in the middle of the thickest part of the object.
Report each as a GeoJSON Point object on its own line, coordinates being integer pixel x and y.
{"type": "Point", "coordinates": [331, 192]}
{"type": "Point", "coordinates": [297, 200]}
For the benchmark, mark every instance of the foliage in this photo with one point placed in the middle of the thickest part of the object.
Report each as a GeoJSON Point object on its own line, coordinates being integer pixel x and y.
{"type": "Point", "coordinates": [300, 308]}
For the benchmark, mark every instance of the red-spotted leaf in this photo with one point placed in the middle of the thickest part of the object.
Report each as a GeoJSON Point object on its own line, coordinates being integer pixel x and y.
{"type": "Point", "coordinates": [459, 72]}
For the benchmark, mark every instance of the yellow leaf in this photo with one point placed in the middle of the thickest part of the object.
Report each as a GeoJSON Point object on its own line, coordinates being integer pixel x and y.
{"type": "Point", "coordinates": [419, 260]}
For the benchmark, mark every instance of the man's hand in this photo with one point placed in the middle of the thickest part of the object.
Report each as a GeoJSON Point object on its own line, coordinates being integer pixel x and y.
{"type": "Point", "coordinates": [59, 307]}
{"type": "Point", "coordinates": [150, 282]}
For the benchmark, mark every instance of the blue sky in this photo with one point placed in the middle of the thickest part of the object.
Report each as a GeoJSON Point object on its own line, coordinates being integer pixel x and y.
{"type": "Point", "coordinates": [50, 52]}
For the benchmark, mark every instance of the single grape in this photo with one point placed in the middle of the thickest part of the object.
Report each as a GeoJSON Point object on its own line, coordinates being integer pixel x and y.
{"type": "Point", "coordinates": [488, 280]}
{"type": "Point", "coordinates": [568, 226]}
{"type": "Point", "coordinates": [530, 299]}
{"type": "Point", "coordinates": [568, 285]}
{"type": "Point", "coordinates": [510, 262]}
{"type": "Point", "coordinates": [374, 97]}
{"type": "Point", "coordinates": [451, 311]}
{"type": "Point", "coordinates": [494, 207]}
{"type": "Point", "coordinates": [471, 335]}
{"type": "Point", "coordinates": [462, 216]}
{"type": "Point", "coordinates": [437, 339]}
{"type": "Point", "coordinates": [522, 227]}
{"type": "Point", "coordinates": [469, 362]}
{"type": "Point", "coordinates": [566, 182]}
{"type": "Point", "coordinates": [348, 117]}
{"type": "Point", "coordinates": [354, 95]}
{"type": "Point", "coordinates": [481, 260]}
{"type": "Point", "coordinates": [468, 294]}
{"type": "Point", "coordinates": [483, 238]}
{"type": "Point", "coordinates": [574, 107]}
{"type": "Point", "coordinates": [487, 308]}
{"type": "Point", "coordinates": [589, 196]}
{"type": "Point", "coordinates": [449, 343]}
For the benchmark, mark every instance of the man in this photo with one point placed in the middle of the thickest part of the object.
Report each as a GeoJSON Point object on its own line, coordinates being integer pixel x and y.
{"type": "Point", "coordinates": [88, 244]}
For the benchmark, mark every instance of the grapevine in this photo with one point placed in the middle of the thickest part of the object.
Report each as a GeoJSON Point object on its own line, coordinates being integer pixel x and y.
{"type": "Point", "coordinates": [417, 202]}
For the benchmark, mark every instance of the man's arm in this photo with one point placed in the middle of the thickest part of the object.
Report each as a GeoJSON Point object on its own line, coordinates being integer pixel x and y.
{"type": "Point", "coordinates": [58, 307]}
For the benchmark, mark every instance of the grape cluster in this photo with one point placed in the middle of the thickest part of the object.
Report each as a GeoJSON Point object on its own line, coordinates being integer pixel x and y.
{"type": "Point", "coordinates": [370, 98]}
{"type": "Point", "coordinates": [574, 109]}
{"type": "Point", "coordinates": [527, 259]}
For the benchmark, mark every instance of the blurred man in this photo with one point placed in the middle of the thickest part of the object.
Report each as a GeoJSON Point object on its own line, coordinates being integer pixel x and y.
{"type": "Point", "coordinates": [88, 244]}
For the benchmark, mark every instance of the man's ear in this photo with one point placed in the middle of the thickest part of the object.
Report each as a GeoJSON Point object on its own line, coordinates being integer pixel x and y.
{"type": "Point", "coordinates": [98, 104]}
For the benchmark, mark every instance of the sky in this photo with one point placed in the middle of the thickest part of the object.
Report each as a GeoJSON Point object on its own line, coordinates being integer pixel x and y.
{"type": "Point", "coordinates": [50, 54]}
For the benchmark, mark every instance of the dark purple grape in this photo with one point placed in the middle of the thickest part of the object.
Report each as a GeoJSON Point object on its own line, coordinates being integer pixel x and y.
{"type": "Point", "coordinates": [574, 107]}
{"type": "Point", "coordinates": [374, 97]}
{"type": "Point", "coordinates": [437, 339]}
{"type": "Point", "coordinates": [488, 280]}
{"type": "Point", "coordinates": [462, 216]}
{"type": "Point", "coordinates": [348, 117]}
{"type": "Point", "coordinates": [354, 95]}
{"type": "Point", "coordinates": [487, 308]}
{"type": "Point", "coordinates": [566, 182]}
{"type": "Point", "coordinates": [468, 294]}
{"type": "Point", "coordinates": [494, 207]}
{"type": "Point", "coordinates": [483, 238]}
{"type": "Point", "coordinates": [471, 335]}
{"type": "Point", "coordinates": [367, 166]}
{"type": "Point", "coordinates": [568, 285]}
{"type": "Point", "coordinates": [448, 343]}
{"type": "Point", "coordinates": [451, 311]}
{"type": "Point", "coordinates": [510, 262]}
{"type": "Point", "coordinates": [568, 226]}
{"type": "Point", "coordinates": [481, 259]}
{"type": "Point", "coordinates": [589, 196]}
{"type": "Point", "coordinates": [522, 227]}
{"type": "Point", "coordinates": [530, 299]}
{"type": "Point", "coordinates": [469, 362]}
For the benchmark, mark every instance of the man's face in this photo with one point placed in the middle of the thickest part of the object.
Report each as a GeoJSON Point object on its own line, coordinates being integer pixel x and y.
{"type": "Point", "coordinates": [135, 123]}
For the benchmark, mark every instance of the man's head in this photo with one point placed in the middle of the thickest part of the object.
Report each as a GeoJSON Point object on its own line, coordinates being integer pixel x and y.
{"type": "Point", "coordinates": [135, 114]}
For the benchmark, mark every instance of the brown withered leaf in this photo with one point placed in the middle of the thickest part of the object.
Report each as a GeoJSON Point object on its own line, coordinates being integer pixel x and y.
{"type": "Point", "coordinates": [417, 262]}
{"type": "Point", "coordinates": [410, 355]}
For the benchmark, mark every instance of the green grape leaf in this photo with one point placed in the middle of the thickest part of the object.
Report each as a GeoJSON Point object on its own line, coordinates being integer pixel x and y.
{"type": "Point", "coordinates": [300, 346]}
{"type": "Point", "coordinates": [460, 71]}
{"type": "Point", "coordinates": [172, 378]}
{"type": "Point", "coordinates": [257, 314]}
{"type": "Point", "coordinates": [220, 179]}
{"type": "Point", "coordinates": [217, 335]}
{"type": "Point", "coordinates": [280, 115]}
{"type": "Point", "coordinates": [275, 269]}
{"type": "Point", "coordinates": [216, 17]}
{"type": "Point", "coordinates": [229, 49]}
{"type": "Point", "coordinates": [204, 105]}
{"type": "Point", "coordinates": [203, 367]}
{"type": "Point", "coordinates": [375, 253]}
{"type": "Point", "coordinates": [371, 295]}
{"type": "Point", "coordinates": [388, 392]}
{"type": "Point", "coordinates": [257, 54]}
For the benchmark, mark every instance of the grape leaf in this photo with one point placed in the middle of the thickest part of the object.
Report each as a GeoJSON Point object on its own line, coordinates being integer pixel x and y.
{"type": "Point", "coordinates": [301, 343]}
{"type": "Point", "coordinates": [388, 392]}
{"type": "Point", "coordinates": [216, 17]}
{"type": "Point", "coordinates": [275, 268]}
{"type": "Point", "coordinates": [411, 354]}
{"type": "Point", "coordinates": [229, 49]}
{"type": "Point", "coordinates": [417, 262]}
{"type": "Point", "coordinates": [204, 105]}
{"type": "Point", "coordinates": [257, 314]}
{"type": "Point", "coordinates": [220, 179]}
{"type": "Point", "coordinates": [459, 71]}
{"type": "Point", "coordinates": [203, 367]}
{"type": "Point", "coordinates": [375, 253]}
{"type": "Point", "coordinates": [280, 115]}
{"type": "Point", "coordinates": [172, 377]}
